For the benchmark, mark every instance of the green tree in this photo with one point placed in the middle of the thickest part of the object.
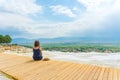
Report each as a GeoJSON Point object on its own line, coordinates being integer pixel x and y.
{"type": "Point", "coordinates": [1, 39]}
{"type": "Point", "coordinates": [7, 39]}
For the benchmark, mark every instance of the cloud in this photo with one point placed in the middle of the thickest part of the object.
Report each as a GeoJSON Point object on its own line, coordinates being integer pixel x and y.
{"type": "Point", "coordinates": [59, 9]}
{"type": "Point", "coordinates": [29, 28]}
{"type": "Point", "coordinates": [93, 5]}
{"type": "Point", "coordinates": [20, 6]}
{"type": "Point", "coordinates": [94, 20]}
{"type": "Point", "coordinates": [95, 17]}
{"type": "Point", "coordinates": [14, 20]}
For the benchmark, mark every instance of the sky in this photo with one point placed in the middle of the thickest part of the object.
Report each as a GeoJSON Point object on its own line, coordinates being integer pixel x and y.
{"type": "Point", "coordinates": [35, 19]}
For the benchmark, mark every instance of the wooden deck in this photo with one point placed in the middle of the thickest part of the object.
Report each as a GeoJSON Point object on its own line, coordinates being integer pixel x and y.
{"type": "Point", "coordinates": [24, 68]}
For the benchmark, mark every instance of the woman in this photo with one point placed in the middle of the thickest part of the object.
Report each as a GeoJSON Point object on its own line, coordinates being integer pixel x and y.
{"type": "Point", "coordinates": [37, 51]}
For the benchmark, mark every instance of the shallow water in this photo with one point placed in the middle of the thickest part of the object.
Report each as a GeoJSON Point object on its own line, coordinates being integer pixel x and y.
{"type": "Point", "coordinates": [4, 77]}
{"type": "Point", "coordinates": [94, 58]}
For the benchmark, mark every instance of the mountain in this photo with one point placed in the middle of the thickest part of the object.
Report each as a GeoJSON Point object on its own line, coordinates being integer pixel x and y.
{"type": "Point", "coordinates": [68, 40]}
{"type": "Point", "coordinates": [21, 40]}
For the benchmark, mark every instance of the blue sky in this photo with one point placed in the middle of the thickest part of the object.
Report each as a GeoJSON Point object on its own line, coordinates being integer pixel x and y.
{"type": "Point", "coordinates": [35, 19]}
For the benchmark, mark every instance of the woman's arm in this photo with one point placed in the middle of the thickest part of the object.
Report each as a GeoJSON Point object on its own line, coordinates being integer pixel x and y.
{"type": "Point", "coordinates": [40, 50]}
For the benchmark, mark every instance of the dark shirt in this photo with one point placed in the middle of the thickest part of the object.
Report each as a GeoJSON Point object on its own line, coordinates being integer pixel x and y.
{"type": "Point", "coordinates": [37, 55]}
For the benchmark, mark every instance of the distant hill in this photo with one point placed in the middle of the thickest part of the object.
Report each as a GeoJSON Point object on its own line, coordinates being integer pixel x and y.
{"type": "Point", "coordinates": [68, 40]}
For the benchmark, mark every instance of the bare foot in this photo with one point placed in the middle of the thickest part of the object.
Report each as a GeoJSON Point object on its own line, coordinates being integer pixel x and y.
{"type": "Point", "coordinates": [46, 59]}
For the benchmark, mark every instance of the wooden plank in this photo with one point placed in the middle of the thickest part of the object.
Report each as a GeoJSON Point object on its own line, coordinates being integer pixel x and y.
{"type": "Point", "coordinates": [63, 73]}
{"type": "Point", "coordinates": [70, 73]}
{"type": "Point", "coordinates": [101, 74]}
{"type": "Point", "coordinates": [106, 73]}
{"type": "Point", "coordinates": [41, 70]}
{"type": "Point", "coordinates": [76, 72]}
{"type": "Point", "coordinates": [115, 77]}
{"type": "Point", "coordinates": [84, 73]}
{"type": "Point", "coordinates": [93, 73]}
{"type": "Point", "coordinates": [89, 73]}
{"type": "Point", "coordinates": [118, 74]}
{"type": "Point", "coordinates": [51, 74]}
{"type": "Point", "coordinates": [13, 62]}
{"type": "Point", "coordinates": [32, 72]}
{"type": "Point", "coordinates": [97, 73]}
{"type": "Point", "coordinates": [4, 59]}
{"type": "Point", "coordinates": [110, 76]}
{"type": "Point", "coordinates": [25, 67]}
{"type": "Point", "coordinates": [78, 76]}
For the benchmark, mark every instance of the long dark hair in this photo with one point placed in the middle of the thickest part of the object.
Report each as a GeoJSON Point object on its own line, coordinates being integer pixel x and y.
{"type": "Point", "coordinates": [36, 43]}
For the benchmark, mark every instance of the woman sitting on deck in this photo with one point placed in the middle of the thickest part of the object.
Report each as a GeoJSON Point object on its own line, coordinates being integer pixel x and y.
{"type": "Point", "coordinates": [37, 51]}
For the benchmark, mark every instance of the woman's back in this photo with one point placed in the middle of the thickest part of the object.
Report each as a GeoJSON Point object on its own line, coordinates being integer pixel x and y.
{"type": "Point", "coordinates": [37, 53]}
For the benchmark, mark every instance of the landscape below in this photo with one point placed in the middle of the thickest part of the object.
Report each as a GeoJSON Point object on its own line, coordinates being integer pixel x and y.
{"type": "Point", "coordinates": [74, 44]}
{"type": "Point", "coordinates": [79, 47]}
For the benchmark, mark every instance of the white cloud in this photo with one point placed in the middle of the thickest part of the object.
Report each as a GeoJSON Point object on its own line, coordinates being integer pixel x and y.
{"type": "Point", "coordinates": [94, 19]}
{"type": "Point", "coordinates": [20, 6]}
{"type": "Point", "coordinates": [14, 20]}
{"type": "Point", "coordinates": [93, 5]}
{"type": "Point", "coordinates": [59, 9]}
{"type": "Point", "coordinates": [14, 16]}
{"type": "Point", "coordinates": [95, 16]}
{"type": "Point", "coordinates": [30, 28]}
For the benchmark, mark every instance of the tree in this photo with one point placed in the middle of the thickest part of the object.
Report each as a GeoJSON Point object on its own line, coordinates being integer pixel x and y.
{"type": "Point", "coordinates": [7, 39]}
{"type": "Point", "coordinates": [1, 39]}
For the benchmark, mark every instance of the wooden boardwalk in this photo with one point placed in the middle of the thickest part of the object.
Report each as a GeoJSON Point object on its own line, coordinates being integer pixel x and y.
{"type": "Point", "coordinates": [24, 68]}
